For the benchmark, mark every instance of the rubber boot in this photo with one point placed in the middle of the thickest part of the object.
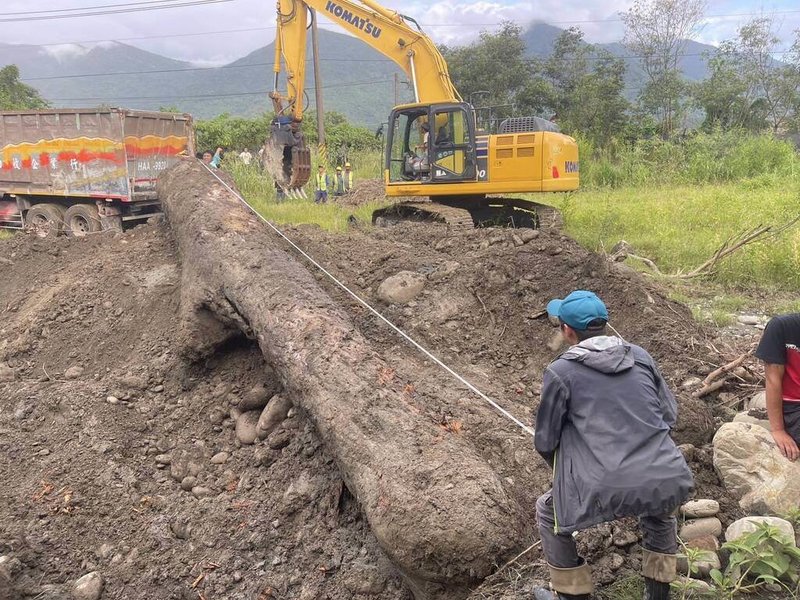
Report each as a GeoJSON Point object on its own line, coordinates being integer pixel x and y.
{"type": "Point", "coordinates": [655, 590]}
{"type": "Point", "coordinates": [658, 570]}
{"type": "Point", "coordinates": [545, 594]}
{"type": "Point", "coordinates": [569, 584]}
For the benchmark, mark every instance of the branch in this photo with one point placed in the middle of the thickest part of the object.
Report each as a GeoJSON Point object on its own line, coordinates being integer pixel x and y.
{"type": "Point", "coordinates": [709, 384]}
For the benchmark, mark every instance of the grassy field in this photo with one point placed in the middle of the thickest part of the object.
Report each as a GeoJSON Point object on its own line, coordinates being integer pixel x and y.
{"type": "Point", "coordinates": [679, 227]}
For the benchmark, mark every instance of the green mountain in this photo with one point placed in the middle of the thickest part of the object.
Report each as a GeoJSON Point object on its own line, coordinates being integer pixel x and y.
{"type": "Point", "coordinates": [356, 80]}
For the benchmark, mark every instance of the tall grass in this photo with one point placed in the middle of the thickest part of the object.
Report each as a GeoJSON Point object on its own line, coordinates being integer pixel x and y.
{"type": "Point", "coordinates": [679, 227]}
{"type": "Point", "coordinates": [698, 158]}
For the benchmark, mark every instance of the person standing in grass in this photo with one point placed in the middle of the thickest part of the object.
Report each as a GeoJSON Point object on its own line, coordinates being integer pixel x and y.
{"type": "Point", "coordinates": [322, 184]}
{"type": "Point", "coordinates": [779, 349]}
{"type": "Point", "coordinates": [603, 426]}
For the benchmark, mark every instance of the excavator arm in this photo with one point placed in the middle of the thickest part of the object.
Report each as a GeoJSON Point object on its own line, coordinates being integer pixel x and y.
{"type": "Point", "coordinates": [388, 32]}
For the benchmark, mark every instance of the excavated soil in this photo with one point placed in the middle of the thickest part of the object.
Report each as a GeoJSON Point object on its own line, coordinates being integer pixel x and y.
{"type": "Point", "coordinates": [101, 421]}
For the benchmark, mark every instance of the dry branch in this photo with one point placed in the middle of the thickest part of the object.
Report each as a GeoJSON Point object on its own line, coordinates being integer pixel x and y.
{"type": "Point", "coordinates": [713, 382]}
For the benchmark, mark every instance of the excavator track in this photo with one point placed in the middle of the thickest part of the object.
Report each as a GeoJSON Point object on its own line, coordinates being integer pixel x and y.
{"type": "Point", "coordinates": [452, 216]}
{"type": "Point", "coordinates": [467, 213]}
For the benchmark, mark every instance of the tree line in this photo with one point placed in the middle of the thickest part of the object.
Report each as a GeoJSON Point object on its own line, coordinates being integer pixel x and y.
{"type": "Point", "coordinates": [583, 87]}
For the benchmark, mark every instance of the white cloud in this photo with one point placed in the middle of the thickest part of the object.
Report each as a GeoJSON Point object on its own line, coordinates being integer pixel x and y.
{"type": "Point", "coordinates": [446, 21]}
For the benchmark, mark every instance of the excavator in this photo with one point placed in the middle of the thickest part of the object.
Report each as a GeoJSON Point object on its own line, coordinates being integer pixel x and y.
{"type": "Point", "coordinates": [453, 172]}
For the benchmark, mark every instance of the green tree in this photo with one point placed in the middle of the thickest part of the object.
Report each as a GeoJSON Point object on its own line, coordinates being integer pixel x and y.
{"type": "Point", "coordinates": [657, 32]}
{"type": "Point", "coordinates": [586, 88]}
{"type": "Point", "coordinates": [15, 95]}
{"type": "Point", "coordinates": [495, 69]}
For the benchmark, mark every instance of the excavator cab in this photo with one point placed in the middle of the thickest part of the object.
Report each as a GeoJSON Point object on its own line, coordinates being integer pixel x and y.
{"type": "Point", "coordinates": [431, 143]}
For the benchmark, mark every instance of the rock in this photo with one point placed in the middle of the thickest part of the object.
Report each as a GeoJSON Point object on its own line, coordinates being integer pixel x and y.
{"type": "Point", "coordinates": [707, 542]}
{"type": "Point", "coordinates": [744, 526]}
{"type": "Point", "coordinates": [257, 397]}
{"type": "Point", "coordinates": [134, 382]}
{"type": "Point", "coordinates": [700, 508]}
{"type": "Point", "coordinates": [753, 469]}
{"type": "Point", "coordinates": [624, 537]}
{"type": "Point", "coordinates": [744, 417]}
{"type": "Point", "coordinates": [73, 372]}
{"type": "Point", "coordinates": [701, 527]}
{"type": "Point", "coordinates": [748, 319]}
{"type": "Point", "coordinates": [689, 451]}
{"type": "Point", "coordinates": [526, 235]}
{"type": "Point", "coordinates": [279, 439]}
{"type": "Point", "coordinates": [362, 578]}
{"type": "Point", "coordinates": [220, 458]}
{"type": "Point", "coordinates": [401, 288]}
{"type": "Point", "coordinates": [299, 493]}
{"type": "Point", "coordinates": [691, 383]}
{"type": "Point", "coordinates": [273, 415]}
{"type": "Point", "coordinates": [701, 565]}
{"type": "Point", "coordinates": [199, 491]}
{"type": "Point", "coordinates": [163, 459]}
{"type": "Point", "coordinates": [6, 373]}
{"type": "Point", "coordinates": [246, 426]}
{"type": "Point", "coordinates": [88, 587]}
{"type": "Point", "coordinates": [180, 528]}
{"type": "Point", "coordinates": [112, 400]}
{"type": "Point", "coordinates": [759, 400]}
{"type": "Point", "coordinates": [188, 482]}
{"type": "Point", "coordinates": [701, 588]}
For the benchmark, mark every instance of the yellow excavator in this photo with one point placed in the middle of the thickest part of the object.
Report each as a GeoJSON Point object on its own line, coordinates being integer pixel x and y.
{"type": "Point", "coordinates": [433, 150]}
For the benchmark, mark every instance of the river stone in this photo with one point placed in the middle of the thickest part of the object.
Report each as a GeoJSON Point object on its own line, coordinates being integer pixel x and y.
{"type": "Point", "coordinates": [73, 373]}
{"type": "Point", "coordinates": [246, 427]}
{"type": "Point", "coordinates": [700, 508]}
{"type": "Point", "coordinates": [88, 587]}
{"type": "Point", "coordinates": [401, 288]}
{"type": "Point", "coordinates": [759, 400]}
{"type": "Point", "coordinates": [753, 469]}
{"type": "Point", "coordinates": [744, 526]}
{"type": "Point", "coordinates": [744, 417]}
{"type": "Point", "coordinates": [701, 527]}
{"type": "Point", "coordinates": [273, 415]}
{"type": "Point", "coordinates": [257, 397]}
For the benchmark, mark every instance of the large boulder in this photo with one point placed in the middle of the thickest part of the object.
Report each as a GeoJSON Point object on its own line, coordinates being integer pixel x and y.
{"type": "Point", "coordinates": [754, 470]}
{"type": "Point", "coordinates": [758, 401]}
{"type": "Point", "coordinates": [401, 288]}
{"type": "Point", "coordinates": [749, 524]}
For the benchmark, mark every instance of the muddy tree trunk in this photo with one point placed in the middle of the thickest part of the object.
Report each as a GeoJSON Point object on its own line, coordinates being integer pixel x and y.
{"type": "Point", "coordinates": [438, 510]}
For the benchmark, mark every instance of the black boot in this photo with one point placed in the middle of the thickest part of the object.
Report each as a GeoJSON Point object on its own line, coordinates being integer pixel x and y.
{"type": "Point", "coordinates": [655, 590]}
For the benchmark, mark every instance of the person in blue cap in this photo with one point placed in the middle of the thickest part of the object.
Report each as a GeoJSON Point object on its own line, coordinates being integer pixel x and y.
{"type": "Point", "coordinates": [604, 425]}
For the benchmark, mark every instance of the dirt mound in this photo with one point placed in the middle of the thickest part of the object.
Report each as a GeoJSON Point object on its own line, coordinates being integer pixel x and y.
{"type": "Point", "coordinates": [103, 425]}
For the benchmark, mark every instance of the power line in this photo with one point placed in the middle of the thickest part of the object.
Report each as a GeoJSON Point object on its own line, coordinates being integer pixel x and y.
{"type": "Point", "coordinates": [197, 96]}
{"type": "Point", "coordinates": [81, 8]}
{"type": "Point", "coordinates": [113, 12]}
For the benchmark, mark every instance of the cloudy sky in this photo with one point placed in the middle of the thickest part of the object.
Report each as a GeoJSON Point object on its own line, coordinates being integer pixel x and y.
{"type": "Point", "coordinates": [218, 31]}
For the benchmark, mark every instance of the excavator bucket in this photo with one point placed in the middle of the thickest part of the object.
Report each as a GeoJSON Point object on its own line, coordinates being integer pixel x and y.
{"type": "Point", "coordinates": [286, 157]}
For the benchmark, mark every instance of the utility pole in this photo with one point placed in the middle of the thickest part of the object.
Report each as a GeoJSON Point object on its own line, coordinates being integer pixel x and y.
{"type": "Point", "coordinates": [322, 148]}
{"type": "Point", "coordinates": [396, 89]}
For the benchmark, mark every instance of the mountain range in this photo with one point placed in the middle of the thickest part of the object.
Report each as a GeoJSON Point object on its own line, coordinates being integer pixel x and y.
{"type": "Point", "coordinates": [356, 80]}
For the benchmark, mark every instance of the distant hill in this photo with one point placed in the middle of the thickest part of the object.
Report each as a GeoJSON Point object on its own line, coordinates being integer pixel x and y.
{"type": "Point", "coordinates": [357, 80]}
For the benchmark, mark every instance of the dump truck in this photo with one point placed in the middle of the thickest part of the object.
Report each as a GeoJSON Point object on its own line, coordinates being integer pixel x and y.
{"type": "Point", "coordinates": [80, 171]}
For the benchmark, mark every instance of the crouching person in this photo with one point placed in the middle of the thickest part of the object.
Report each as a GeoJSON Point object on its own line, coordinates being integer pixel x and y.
{"type": "Point", "coordinates": [604, 426]}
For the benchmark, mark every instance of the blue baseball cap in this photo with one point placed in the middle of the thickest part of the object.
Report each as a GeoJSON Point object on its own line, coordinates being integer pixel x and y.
{"type": "Point", "coordinates": [578, 309]}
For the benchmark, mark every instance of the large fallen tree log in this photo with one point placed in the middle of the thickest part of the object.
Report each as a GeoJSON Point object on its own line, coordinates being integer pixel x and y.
{"type": "Point", "coordinates": [438, 510]}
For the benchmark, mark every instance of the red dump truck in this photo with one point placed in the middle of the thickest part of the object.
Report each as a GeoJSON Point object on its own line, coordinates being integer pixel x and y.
{"type": "Point", "coordinates": [79, 171]}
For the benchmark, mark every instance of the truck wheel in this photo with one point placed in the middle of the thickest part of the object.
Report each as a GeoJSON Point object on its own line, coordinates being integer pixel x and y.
{"type": "Point", "coordinates": [45, 220]}
{"type": "Point", "coordinates": [82, 219]}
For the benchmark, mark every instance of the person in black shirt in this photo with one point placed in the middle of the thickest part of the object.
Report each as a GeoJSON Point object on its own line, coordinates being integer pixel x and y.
{"type": "Point", "coordinates": [779, 348]}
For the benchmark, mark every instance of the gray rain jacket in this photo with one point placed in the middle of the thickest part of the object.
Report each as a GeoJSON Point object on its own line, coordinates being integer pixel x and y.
{"type": "Point", "coordinates": [603, 425]}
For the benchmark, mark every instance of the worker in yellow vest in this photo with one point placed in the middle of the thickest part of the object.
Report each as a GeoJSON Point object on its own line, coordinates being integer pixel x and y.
{"type": "Point", "coordinates": [338, 188]}
{"type": "Point", "coordinates": [321, 194]}
{"type": "Point", "coordinates": [347, 178]}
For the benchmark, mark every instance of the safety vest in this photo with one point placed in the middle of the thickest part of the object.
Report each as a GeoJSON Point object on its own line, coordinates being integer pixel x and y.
{"type": "Point", "coordinates": [348, 180]}
{"type": "Point", "coordinates": [322, 182]}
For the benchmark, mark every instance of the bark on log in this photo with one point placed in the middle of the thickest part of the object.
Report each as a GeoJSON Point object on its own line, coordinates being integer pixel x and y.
{"type": "Point", "coordinates": [438, 510]}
